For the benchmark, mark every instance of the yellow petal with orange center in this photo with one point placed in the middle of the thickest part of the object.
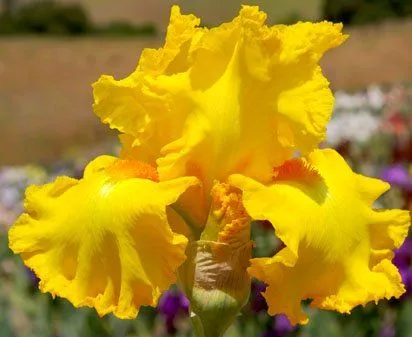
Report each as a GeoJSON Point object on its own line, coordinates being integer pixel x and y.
{"type": "Point", "coordinates": [338, 250]}
{"type": "Point", "coordinates": [103, 241]}
{"type": "Point", "coordinates": [217, 101]}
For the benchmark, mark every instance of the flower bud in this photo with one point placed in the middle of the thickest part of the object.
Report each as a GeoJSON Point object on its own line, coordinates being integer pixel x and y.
{"type": "Point", "coordinates": [214, 276]}
{"type": "Point", "coordinates": [216, 282]}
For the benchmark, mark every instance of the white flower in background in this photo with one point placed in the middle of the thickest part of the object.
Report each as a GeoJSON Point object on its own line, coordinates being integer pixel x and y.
{"type": "Point", "coordinates": [13, 182]}
{"type": "Point", "coordinates": [20, 176]}
{"type": "Point", "coordinates": [354, 118]}
{"type": "Point", "coordinates": [9, 196]}
{"type": "Point", "coordinates": [376, 97]}
{"type": "Point", "coordinates": [371, 99]}
{"type": "Point", "coordinates": [345, 101]}
{"type": "Point", "coordinates": [352, 126]}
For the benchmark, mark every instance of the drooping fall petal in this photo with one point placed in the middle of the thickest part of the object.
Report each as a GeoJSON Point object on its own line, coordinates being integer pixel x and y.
{"type": "Point", "coordinates": [338, 250]}
{"type": "Point", "coordinates": [197, 104]}
{"type": "Point", "coordinates": [103, 241]}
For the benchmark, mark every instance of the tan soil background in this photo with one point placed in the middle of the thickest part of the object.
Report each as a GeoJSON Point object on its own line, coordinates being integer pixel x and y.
{"type": "Point", "coordinates": [46, 97]}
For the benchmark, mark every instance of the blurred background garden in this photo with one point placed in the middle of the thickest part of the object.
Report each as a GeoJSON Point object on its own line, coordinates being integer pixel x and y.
{"type": "Point", "coordinates": [51, 52]}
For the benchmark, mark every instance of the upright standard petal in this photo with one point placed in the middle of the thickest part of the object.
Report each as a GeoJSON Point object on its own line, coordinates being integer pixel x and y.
{"type": "Point", "coordinates": [338, 250]}
{"type": "Point", "coordinates": [103, 241]}
{"type": "Point", "coordinates": [199, 103]}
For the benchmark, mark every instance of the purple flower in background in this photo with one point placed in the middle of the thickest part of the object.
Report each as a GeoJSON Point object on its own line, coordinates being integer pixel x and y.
{"type": "Point", "coordinates": [397, 175]}
{"type": "Point", "coordinates": [403, 259]}
{"type": "Point", "coordinates": [33, 278]}
{"type": "Point", "coordinates": [257, 301]}
{"type": "Point", "coordinates": [388, 325]}
{"type": "Point", "coordinates": [387, 331]}
{"type": "Point", "coordinates": [172, 305]}
{"type": "Point", "coordinates": [281, 327]}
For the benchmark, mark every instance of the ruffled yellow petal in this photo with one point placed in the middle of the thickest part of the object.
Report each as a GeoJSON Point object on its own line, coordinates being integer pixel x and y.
{"type": "Point", "coordinates": [199, 102]}
{"type": "Point", "coordinates": [136, 105]}
{"type": "Point", "coordinates": [338, 250]}
{"type": "Point", "coordinates": [103, 241]}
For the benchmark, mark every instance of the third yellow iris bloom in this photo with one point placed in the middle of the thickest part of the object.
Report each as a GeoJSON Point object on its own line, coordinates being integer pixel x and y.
{"type": "Point", "coordinates": [210, 126]}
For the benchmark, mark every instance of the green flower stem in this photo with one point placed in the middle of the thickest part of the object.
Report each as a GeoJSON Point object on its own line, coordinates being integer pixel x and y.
{"type": "Point", "coordinates": [197, 325]}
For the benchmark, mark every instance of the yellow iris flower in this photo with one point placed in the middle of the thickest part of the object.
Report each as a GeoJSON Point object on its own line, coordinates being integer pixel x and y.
{"type": "Point", "coordinates": [210, 126]}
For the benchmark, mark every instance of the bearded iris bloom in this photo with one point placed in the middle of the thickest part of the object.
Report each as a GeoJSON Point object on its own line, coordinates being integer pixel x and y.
{"type": "Point", "coordinates": [210, 126]}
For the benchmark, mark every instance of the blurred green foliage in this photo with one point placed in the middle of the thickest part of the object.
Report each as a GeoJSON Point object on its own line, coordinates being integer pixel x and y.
{"type": "Point", "coordinates": [55, 18]}
{"type": "Point", "coordinates": [46, 17]}
{"type": "Point", "coordinates": [365, 11]}
{"type": "Point", "coordinates": [291, 18]}
{"type": "Point", "coordinates": [49, 17]}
